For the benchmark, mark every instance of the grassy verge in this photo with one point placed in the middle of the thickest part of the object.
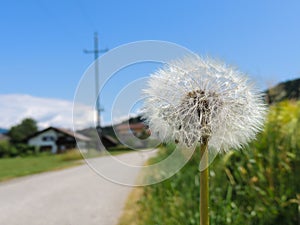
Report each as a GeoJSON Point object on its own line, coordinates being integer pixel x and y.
{"type": "Point", "coordinates": [130, 216]}
{"type": "Point", "coordinates": [17, 167]}
{"type": "Point", "coordinates": [22, 166]}
{"type": "Point", "coordinates": [259, 185]}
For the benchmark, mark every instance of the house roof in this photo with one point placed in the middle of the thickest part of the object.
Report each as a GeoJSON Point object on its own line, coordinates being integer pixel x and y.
{"type": "Point", "coordinates": [111, 139]}
{"type": "Point", "coordinates": [134, 126]}
{"type": "Point", "coordinates": [74, 134]}
{"type": "Point", "coordinates": [78, 136]}
{"type": "Point", "coordinates": [4, 137]}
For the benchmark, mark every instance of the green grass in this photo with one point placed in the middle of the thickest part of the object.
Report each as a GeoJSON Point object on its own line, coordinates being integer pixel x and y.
{"type": "Point", "coordinates": [259, 185]}
{"type": "Point", "coordinates": [17, 167]}
{"type": "Point", "coordinates": [22, 166]}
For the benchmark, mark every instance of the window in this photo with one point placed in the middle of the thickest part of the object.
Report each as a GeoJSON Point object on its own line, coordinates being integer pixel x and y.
{"type": "Point", "coordinates": [48, 138]}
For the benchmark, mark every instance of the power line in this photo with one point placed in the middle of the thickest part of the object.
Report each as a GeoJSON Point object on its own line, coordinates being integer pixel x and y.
{"type": "Point", "coordinates": [96, 52]}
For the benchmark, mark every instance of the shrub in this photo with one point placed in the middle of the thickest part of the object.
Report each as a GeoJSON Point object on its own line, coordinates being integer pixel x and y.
{"type": "Point", "coordinates": [71, 155]}
{"type": "Point", "coordinates": [259, 185]}
{"type": "Point", "coordinates": [7, 150]}
{"type": "Point", "coordinates": [13, 150]}
{"type": "Point", "coordinates": [25, 150]}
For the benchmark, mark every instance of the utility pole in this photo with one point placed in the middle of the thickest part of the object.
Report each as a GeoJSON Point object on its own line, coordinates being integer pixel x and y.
{"type": "Point", "coordinates": [96, 52]}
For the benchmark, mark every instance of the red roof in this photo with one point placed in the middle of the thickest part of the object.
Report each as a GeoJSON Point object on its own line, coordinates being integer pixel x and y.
{"type": "Point", "coordinates": [134, 126]}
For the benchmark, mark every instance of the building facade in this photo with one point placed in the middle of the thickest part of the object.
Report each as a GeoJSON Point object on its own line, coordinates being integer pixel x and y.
{"type": "Point", "coordinates": [57, 140]}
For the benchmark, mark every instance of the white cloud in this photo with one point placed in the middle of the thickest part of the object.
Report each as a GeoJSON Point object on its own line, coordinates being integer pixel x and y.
{"type": "Point", "coordinates": [47, 111]}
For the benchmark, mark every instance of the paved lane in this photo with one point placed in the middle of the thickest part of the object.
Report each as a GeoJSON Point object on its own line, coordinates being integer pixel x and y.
{"type": "Point", "coordinates": [75, 196]}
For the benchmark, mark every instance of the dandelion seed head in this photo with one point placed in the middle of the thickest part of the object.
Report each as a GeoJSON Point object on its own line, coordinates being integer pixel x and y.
{"type": "Point", "coordinates": [195, 100]}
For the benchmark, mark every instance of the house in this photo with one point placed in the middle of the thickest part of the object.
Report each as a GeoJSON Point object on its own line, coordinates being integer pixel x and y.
{"type": "Point", "coordinates": [108, 141]}
{"type": "Point", "coordinates": [133, 134]}
{"type": "Point", "coordinates": [138, 129]}
{"type": "Point", "coordinates": [4, 137]}
{"type": "Point", "coordinates": [102, 135]}
{"type": "Point", "coordinates": [57, 140]}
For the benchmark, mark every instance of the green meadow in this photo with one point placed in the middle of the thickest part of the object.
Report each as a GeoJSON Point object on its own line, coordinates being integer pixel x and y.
{"type": "Point", "coordinates": [22, 166]}
{"type": "Point", "coordinates": [42, 162]}
{"type": "Point", "coordinates": [259, 185]}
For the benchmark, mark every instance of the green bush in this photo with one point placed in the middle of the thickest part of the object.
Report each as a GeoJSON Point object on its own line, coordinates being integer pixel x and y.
{"type": "Point", "coordinates": [13, 150]}
{"type": "Point", "coordinates": [7, 150]}
{"type": "Point", "coordinates": [25, 150]}
{"type": "Point", "coordinates": [21, 131]}
{"type": "Point", "coordinates": [259, 185]}
{"type": "Point", "coordinates": [119, 148]}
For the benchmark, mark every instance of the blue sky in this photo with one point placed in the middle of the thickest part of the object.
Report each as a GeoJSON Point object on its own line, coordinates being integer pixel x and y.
{"type": "Point", "coordinates": [42, 41]}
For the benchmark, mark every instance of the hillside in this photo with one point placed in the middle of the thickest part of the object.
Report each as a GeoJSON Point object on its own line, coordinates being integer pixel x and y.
{"type": "Point", "coordinates": [284, 91]}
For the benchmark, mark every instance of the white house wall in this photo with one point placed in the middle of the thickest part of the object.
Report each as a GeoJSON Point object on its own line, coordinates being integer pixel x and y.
{"type": "Point", "coordinates": [39, 142]}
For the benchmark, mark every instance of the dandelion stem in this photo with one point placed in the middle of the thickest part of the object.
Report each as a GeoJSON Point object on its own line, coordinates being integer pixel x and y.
{"type": "Point", "coordinates": [204, 192]}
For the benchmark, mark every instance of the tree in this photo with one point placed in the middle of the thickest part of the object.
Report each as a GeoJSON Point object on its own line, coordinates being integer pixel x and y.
{"type": "Point", "coordinates": [21, 131]}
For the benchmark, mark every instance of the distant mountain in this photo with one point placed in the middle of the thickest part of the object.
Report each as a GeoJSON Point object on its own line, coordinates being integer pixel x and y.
{"type": "Point", "coordinates": [3, 131]}
{"type": "Point", "coordinates": [284, 91]}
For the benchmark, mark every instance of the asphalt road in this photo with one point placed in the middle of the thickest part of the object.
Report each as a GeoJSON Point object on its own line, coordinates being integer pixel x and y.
{"type": "Point", "coordinates": [75, 196]}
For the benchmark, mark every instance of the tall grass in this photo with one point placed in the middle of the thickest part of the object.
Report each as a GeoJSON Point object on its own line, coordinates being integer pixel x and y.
{"type": "Point", "coordinates": [259, 185]}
